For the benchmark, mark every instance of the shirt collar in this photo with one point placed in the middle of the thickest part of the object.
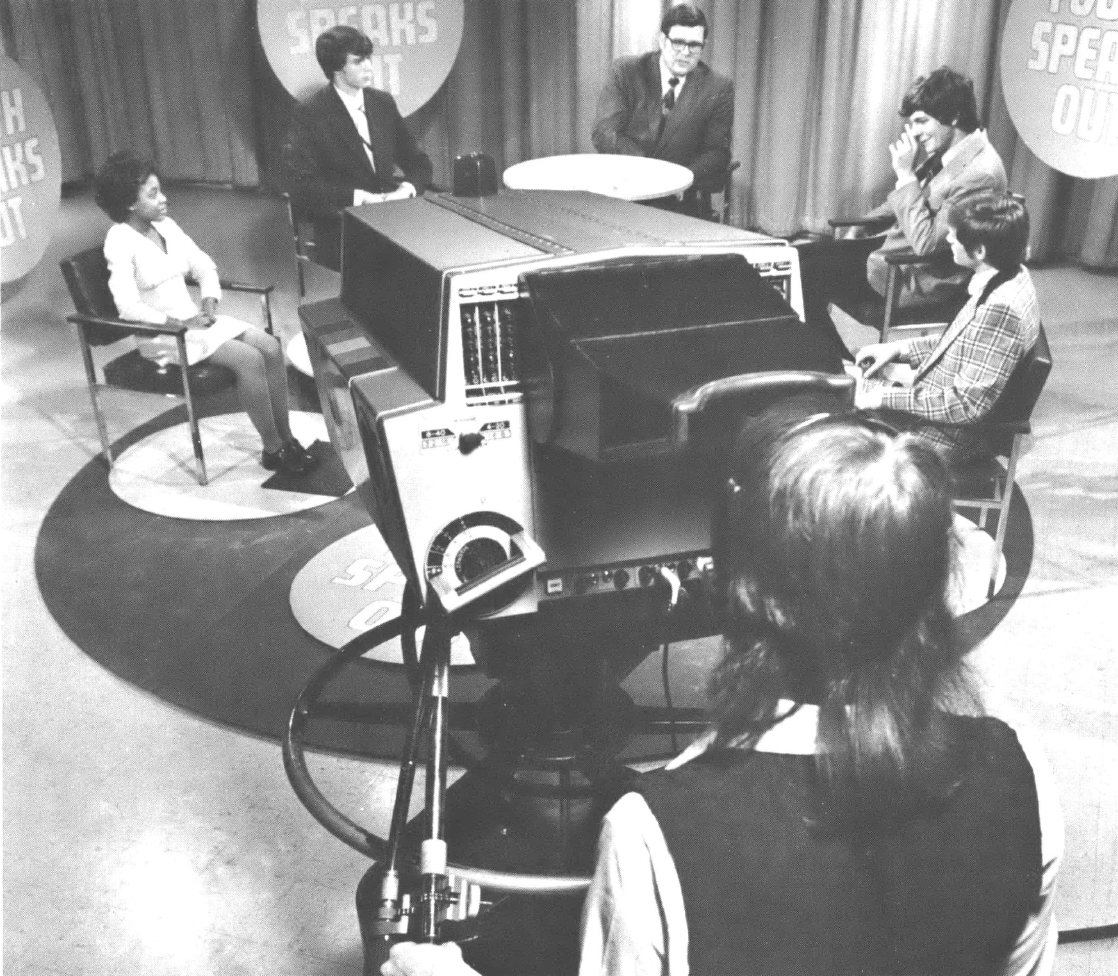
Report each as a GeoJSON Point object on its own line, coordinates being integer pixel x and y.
{"type": "Point", "coordinates": [791, 736]}
{"type": "Point", "coordinates": [354, 102]}
{"type": "Point", "coordinates": [980, 279]}
{"type": "Point", "coordinates": [794, 735]}
{"type": "Point", "coordinates": [665, 74]}
{"type": "Point", "coordinates": [962, 144]}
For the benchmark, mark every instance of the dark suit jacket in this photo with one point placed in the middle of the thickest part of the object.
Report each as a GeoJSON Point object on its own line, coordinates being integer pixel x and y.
{"type": "Point", "coordinates": [695, 134]}
{"type": "Point", "coordinates": [327, 160]}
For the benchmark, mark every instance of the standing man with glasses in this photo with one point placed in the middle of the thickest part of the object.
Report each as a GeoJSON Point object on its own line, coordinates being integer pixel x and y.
{"type": "Point", "coordinates": [346, 141]}
{"type": "Point", "coordinates": [668, 104]}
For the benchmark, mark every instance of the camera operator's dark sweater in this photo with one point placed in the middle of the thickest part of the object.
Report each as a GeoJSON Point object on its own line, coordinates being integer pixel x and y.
{"type": "Point", "coordinates": [947, 892]}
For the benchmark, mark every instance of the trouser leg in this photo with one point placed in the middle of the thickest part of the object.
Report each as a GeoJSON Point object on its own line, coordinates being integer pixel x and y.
{"type": "Point", "coordinates": [833, 271]}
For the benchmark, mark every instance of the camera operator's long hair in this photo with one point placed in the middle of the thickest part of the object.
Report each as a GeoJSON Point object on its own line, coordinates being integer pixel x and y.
{"type": "Point", "coordinates": [832, 553]}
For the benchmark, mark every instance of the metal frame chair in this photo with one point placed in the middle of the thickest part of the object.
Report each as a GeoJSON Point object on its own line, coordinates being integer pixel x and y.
{"type": "Point", "coordinates": [302, 235]}
{"type": "Point", "coordinates": [727, 187]}
{"type": "Point", "coordinates": [889, 316]}
{"type": "Point", "coordinates": [987, 484]}
{"type": "Point", "coordinates": [706, 201]}
{"type": "Point", "coordinates": [886, 314]}
{"type": "Point", "coordinates": [98, 323]}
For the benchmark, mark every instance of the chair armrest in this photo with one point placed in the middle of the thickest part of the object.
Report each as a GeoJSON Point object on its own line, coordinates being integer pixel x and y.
{"type": "Point", "coordinates": [1000, 427]}
{"type": "Point", "coordinates": [231, 285]}
{"type": "Point", "coordinates": [242, 286]}
{"type": "Point", "coordinates": [906, 256]}
{"type": "Point", "coordinates": [983, 426]}
{"type": "Point", "coordinates": [903, 420]}
{"type": "Point", "coordinates": [143, 328]}
{"type": "Point", "coordinates": [837, 223]}
{"type": "Point", "coordinates": [264, 291]}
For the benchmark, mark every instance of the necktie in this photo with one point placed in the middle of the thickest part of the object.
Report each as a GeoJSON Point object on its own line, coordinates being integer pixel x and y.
{"type": "Point", "coordinates": [929, 168]}
{"type": "Point", "coordinates": [361, 121]}
{"type": "Point", "coordinates": [669, 97]}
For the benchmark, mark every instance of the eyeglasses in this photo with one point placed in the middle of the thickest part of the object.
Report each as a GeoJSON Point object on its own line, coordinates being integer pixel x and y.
{"type": "Point", "coordinates": [694, 47]}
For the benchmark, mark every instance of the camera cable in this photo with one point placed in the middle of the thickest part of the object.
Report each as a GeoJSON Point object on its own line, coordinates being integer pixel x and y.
{"type": "Point", "coordinates": [673, 599]}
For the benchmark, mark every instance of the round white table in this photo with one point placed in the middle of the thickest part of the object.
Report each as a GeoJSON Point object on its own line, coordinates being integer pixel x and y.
{"type": "Point", "coordinates": [613, 175]}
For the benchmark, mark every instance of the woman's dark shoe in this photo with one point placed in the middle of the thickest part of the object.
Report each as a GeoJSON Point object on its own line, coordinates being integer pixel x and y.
{"type": "Point", "coordinates": [290, 459]}
{"type": "Point", "coordinates": [301, 452]}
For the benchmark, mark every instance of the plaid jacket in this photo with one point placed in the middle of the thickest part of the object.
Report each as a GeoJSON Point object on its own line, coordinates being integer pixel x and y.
{"type": "Point", "coordinates": [961, 373]}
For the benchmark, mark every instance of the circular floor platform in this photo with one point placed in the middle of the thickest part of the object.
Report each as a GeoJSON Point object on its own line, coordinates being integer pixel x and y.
{"type": "Point", "coordinates": [200, 613]}
{"type": "Point", "coordinates": [157, 474]}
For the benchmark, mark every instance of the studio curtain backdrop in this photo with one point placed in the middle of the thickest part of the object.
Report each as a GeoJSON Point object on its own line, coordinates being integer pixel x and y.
{"type": "Point", "coordinates": [818, 84]}
{"type": "Point", "coordinates": [171, 79]}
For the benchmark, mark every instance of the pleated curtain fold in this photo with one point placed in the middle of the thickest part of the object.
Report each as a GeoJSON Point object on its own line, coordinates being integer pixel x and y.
{"type": "Point", "coordinates": [170, 79]}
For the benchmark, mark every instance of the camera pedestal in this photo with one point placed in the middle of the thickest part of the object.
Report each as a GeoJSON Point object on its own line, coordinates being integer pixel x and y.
{"type": "Point", "coordinates": [541, 752]}
{"type": "Point", "coordinates": [533, 803]}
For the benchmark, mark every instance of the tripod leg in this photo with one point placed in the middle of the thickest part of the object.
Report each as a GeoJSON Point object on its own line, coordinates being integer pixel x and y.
{"type": "Point", "coordinates": [378, 893]}
{"type": "Point", "coordinates": [433, 855]}
{"type": "Point", "coordinates": [376, 945]}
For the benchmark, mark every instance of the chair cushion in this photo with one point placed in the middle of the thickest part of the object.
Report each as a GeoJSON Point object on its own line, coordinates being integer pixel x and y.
{"type": "Point", "coordinates": [87, 277]}
{"type": "Point", "coordinates": [133, 372]}
{"type": "Point", "coordinates": [1015, 405]}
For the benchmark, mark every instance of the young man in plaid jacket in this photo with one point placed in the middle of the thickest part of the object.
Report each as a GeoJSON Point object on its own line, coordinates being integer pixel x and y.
{"type": "Point", "coordinates": [957, 377]}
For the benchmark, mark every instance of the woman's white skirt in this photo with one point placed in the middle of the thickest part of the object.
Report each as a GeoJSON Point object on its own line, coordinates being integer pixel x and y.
{"type": "Point", "coordinates": [200, 343]}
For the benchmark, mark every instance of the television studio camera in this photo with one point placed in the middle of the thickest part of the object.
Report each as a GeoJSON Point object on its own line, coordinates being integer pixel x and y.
{"type": "Point", "coordinates": [533, 393]}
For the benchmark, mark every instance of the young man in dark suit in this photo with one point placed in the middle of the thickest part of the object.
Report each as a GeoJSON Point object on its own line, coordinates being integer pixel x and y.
{"type": "Point", "coordinates": [346, 141]}
{"type": "Point", "coordinates": [667, 104]}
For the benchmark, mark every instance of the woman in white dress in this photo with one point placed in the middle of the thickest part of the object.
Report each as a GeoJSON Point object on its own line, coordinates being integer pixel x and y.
{"type": "Point", "coordinates": [149, 256]}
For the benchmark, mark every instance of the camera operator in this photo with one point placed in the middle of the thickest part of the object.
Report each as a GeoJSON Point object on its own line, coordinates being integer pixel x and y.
{"type": "Point", "coordinates": [851, 810]}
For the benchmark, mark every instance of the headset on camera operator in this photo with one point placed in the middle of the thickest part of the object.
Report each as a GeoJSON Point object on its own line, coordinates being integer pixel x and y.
{"type": "Point", "coordinates": [850, 811]}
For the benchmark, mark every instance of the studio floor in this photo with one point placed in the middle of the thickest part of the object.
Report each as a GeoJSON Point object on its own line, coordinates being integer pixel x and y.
{"type": "Point", "coordinates": [140, 837]}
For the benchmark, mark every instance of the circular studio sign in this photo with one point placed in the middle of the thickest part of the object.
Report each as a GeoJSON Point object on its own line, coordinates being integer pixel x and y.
{"type": "Point", "coordinates": [414, 43]}
{"type": "Point", "coordinates": [30, 172]}
{"type": "Point", "coordinates": [1059, 65]}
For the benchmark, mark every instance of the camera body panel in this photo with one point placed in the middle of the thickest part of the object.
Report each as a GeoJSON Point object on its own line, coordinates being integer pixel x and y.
{"type": "Point", "coordinates": [441, 376]}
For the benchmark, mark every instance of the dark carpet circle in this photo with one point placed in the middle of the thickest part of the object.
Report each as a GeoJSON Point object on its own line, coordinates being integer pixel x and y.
{"type": "Point", "coordinates": [197, 613]}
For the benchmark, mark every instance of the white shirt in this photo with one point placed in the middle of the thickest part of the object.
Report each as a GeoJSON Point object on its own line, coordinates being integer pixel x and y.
{"type": "Point", "coordinates": [665, 76]}
{"type": "Point", "coordinates": [355, 105]}
{"type": "Point", "coordinates": [979, 280]}
{"type": "Point", "coordinates": [148, 284]}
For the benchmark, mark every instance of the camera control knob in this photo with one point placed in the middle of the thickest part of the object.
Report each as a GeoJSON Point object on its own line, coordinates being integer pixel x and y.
{"type": "Point", "coordinates": [468, 443]}
{"type": "Point", "coordinates": [646, 575]}
{"type": "Point", "coordinates": [620, 579]}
